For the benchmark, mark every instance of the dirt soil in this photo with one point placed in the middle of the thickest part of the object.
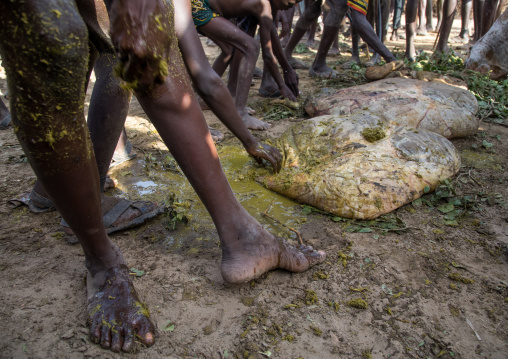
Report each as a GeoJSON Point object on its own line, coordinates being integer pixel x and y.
{"type": "Point", "coordinates": [434, 285]}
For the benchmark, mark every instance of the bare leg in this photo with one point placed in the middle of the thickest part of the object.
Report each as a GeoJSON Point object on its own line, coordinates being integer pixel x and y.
{"type": "Point", "coordinates": [368, 35]}
{"type": "Point", "coordinates": [439, 5]}
{"type": "Point", "coordinates": [449, 7]}
{"type": "Point", "coordinates": [290, 15]}
{"type": "Point", "coordinates": [248, 250]}
{"type": "Point", "coordinates": [397, 13]}
{"type": "Point", "coordinates": [246, 51]}
{"type": "Point", "coordinates": [312, 34]}
{"type": "Point", "coordinates": [465, 12]}
{"type": "Point", "coordinates": [428, 15]}
{"type": "Point", "coordinates": [335, 45]}
{"type": "Point", "coordinates": [338, 9]}
{"type": "Point", "coordinates": [477, 17]}
{"type": "Point", "coordinates": [422, 28]}
{"type": "Point", "coordinates": [489, 15]}
{"type": "Point", "coordinates": [311, 13]}
{"type": "Point", "coordinates": [411, 9]}
{"type": "Point", "coordinates": [72, 181]}
{"type": "Point", "coordinates": [319, 66]}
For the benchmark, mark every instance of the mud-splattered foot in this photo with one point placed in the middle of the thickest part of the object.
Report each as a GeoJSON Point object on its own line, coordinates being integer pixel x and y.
{"type": "Point", "coordinates": [247, 261]}
{"type": "Point", "coordinates": [117, 318]}
{"type": "Point", "coordinates": [254, 123]}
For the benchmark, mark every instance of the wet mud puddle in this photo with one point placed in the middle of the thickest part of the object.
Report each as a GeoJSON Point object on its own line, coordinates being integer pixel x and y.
{"type": "Point", "coordinates": [159, 179]}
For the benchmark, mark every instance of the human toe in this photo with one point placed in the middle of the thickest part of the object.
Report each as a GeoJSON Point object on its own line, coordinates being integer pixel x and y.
{"type": "Point", "coordinates": [106, 337]}
{"type": "Point", "coordinates": [117, 341]}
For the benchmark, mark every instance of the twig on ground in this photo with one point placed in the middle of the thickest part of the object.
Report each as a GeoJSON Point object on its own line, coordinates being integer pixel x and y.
{"type": "Point", "coordinates": [265, 213]}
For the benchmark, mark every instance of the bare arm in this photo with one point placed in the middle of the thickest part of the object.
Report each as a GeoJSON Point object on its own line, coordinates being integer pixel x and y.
{"type": "Point", "coordinates": [213, 90]}
{"type": "Point", "coordinates": [139, 31]}
{"type": "Point", "coordinates": [290, 75]}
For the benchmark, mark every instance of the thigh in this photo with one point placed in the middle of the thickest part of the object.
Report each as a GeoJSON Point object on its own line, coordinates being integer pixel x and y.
{"type": "Point", "coordinates": [338, 9]}
{"type": "Point", "coordinates": [44, 49]}
{"type": "Point", "coordinates": [226, 35]}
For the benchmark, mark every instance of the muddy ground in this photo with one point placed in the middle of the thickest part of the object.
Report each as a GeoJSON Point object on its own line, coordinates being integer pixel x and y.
{"type": "Point", "coordinates": [428, 281]}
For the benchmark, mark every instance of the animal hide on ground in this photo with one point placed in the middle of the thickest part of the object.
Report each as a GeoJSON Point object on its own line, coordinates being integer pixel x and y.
{"type": "Point", "coordinates": [432, 106]}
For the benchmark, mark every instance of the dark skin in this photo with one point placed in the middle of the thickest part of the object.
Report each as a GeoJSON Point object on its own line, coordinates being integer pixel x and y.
{"type": "Point", "coordinates": [108, 108]}
{"type": "Point", "coordinates": [241, 50]}
{"type": "Point", "coordinates": [56, 142]}
{"type": "Point", "coordinates": [488, 11]}
{"type": "Point", "coordinates": [362, 28]}
{"type": "Point", "coordinates": [4, 115]}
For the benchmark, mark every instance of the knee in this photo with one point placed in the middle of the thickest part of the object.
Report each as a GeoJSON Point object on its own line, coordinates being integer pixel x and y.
{"type": "Point", "coordinates": [336, 15]}
{"type": "Point", "coordinates": [208, 83]}
{"type": "Point", "coordinates": [251, 48]}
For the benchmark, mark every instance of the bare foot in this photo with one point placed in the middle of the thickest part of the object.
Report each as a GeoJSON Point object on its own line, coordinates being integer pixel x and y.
{"type": "Point", "coordinates": [217, 136]}
{"type": "Point", "coordinates": [117, 318]}
{"type": "Point", "coordinates": [249, 259]}
{"type": "Point", "coordinates": [324, 71]}
{"type": "Point", "coordinates": [255, 123]}
{"type": "Point", "coordinates": [334, 51]}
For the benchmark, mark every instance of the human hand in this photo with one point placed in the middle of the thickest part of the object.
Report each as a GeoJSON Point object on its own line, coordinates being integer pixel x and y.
{"type": "Point", "coordinates": [263, 151]}
{"type": "Point", "coordinates": [283, 20]}
{"type": "Point", "coordinates": [291, 80]}
{"type": "Point", "coordinates": [142, 34]}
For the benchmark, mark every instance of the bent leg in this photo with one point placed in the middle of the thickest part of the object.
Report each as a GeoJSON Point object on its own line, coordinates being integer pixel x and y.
{"type": "Point", "coordinates": [368, 35]}
{"type": "Point", "coordinates": [248, 250]}
{"type": "Point", "coordinates": [48, 115]}
{"type": "Point", "coordinates": [311, 13]}
{"type": "Point", "coordinates": [228, 36]}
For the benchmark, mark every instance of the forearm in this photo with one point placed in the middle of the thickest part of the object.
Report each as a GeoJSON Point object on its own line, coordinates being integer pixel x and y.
{"type": "Point", "coordinates": [221, 103]}
{"type": "Point", "coordinates": [279, 52]}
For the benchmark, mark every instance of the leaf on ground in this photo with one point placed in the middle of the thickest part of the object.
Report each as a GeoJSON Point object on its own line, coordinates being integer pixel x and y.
{"type": "Point", "coordinates": [137, 272]}
{"type": "Point", "coordinates": [169, 326]}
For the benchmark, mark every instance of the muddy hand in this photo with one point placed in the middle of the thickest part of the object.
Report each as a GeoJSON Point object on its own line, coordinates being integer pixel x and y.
{"type": "Point", "coordinates": [291, 80]}
{"type": "Point", "coordinates": [117, 318]}
{"type": "Point", "coordinates": [263, 151]}
{"type": "Point", "coordinates": [140, 32]}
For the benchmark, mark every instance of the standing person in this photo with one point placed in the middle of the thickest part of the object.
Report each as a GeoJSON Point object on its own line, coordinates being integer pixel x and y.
{"type": "Point", "coordinates": [397, 14]}
{"type": "Point", "coordinates": [241, 50]}
{"type": "Point", "coordinates": [53, 133]}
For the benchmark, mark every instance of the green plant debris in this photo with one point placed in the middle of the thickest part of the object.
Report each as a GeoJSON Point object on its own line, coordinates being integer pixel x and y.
{"type": "Point", "coordinates": [458, 278]}
{"type": "Point", "coordinates": [358, 303]}
{"type": "Point", "coordinates": [454, 310]}
{"type": "Point", "coordinates": [367, 354]}
{"type": "Point", "coordinates": [342, 258]}
{"type": "Point", "coordinates": [373, 134]}
{"type": "Point", "coordinates": [361, 290]}
{"type": "Point", "coordinates": [245, 332]}
{"type": "Point", "coordinates": [388, 311]}
{"type": "Point", "coordinates": [317, 331]}
{"type": "Point", "coordinates": [58, 235]}
{"type": "Point", "coordinates": [311, 297]}
{"type": "Point", "coordinates": [136, 272]}
{"type": "Point", "coordinates": [398, 295]}
{"type": "Point", "coordinates": [247, 301]}
{"type": "Point", "coordinates": [320, 275]}
{"type": "Point", "coordinates": [169, 327]}
{"type": "Point", "coordinates": [179, 213]}
{"type": "Point", "coordinates": [290, 306]}
{"type": "Point", "coordinates": [454, 286]}
{"type": "Point", "coordinates": [492, 95]}
{"type": "Point", "coordinates": [288, 338]}
{"type": "Point", "coordinates": [334, 305]}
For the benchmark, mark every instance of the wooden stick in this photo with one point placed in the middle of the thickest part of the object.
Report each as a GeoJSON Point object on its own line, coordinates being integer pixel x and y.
{"type": "Point", "coordinates": [265, 213]}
